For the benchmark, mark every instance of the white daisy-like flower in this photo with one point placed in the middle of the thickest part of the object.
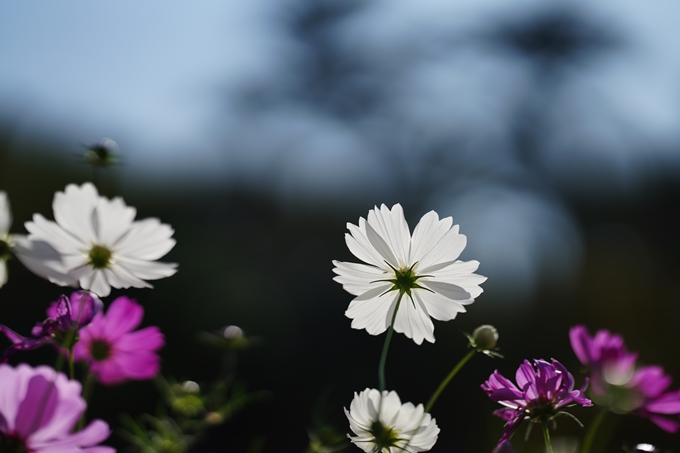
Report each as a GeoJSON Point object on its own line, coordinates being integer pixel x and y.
{"type": "Point", "coordinates": [382, 424]}
{"type": "Point", "coordinates": [5, 238]}
{"type": "Point", "coordinates": [423, 268]}
{"type": "Point", "coordinates": [98, 243]}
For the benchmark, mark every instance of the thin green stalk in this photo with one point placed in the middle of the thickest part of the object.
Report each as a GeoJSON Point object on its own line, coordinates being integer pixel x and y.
{"type": "Point", "coordinates": [546, 437]}
{"type": "Point", "coordinates": [592, 430]}
{"type": "Point", "coordinates": [71, 364]}
{"type": "Point", "coordinates": [88, 386]}
{"type": "Point", "coordinates": [448, 378]}
{"type": "Point", "coordinates": [383, 357]}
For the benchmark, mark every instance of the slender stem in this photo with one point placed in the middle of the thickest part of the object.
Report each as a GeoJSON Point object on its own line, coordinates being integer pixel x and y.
{"type": "Point", "coordinates": [71, 364]}
{"type": "Point", "coordinates": [448, 378]}
{"type": "Point", "coordinates": [592, 430]}
{"type": "Point", "coordinates": [546, 437]}
{"type": "Point", "coordinates": [88, 386]}
{"type": "Point", "coordinates": [383, 357]}
{"type": "Point", "coordinates": [59, 363]}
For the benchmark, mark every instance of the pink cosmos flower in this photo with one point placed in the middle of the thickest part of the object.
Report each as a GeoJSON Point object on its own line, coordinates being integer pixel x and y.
{"type": "Point", "coordinates": [113, 351]}
{"type": "Point", "coordinates": [39, 409]}
{"type": "Point", "coordinates": [541, 391]}
{"type": "Point", "coordinates": [623, 386]}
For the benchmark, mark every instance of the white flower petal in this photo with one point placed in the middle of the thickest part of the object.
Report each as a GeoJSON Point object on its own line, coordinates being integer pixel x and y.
{"type": "Point", "coordinates": [73, 210]}
{"type": "Point", "coordinates": [391, 226]}
{"type": "Point", "coordinates": [122, 278]}
{"type": "Point", "coordinates": [148, 239]}
{"type": "Point", "coordinates": [427, 234]}
{"type": "Point", "coordinates": [461, 274]}
{"type": "Point", "coordinates": [357, 278]}
{"type": "Point", "coordinates": [438, 306]}
{"type": "Point", "coordinates": [414, 321]}
{"type": "Point", "coordinates": [114, 219]}
{"type": "Point", "coordinates": [372, 311]}
{"type": "Point", "coordinates": [449, 290]}
{"type": "Point", "coordinates": [43, 260]}
{"type": "Point", "coordinates": [48, 231]}
{"type": "Point", "coordinates": [147, 270]}
{"type": "Point", "coordinates": [96, 282]}
{"type": "Point", "coordinates": [381, 246]}
{"type": "Point", "coordinates": [361, 247]}
{"type": "Point", "coordinates": [3, 272]}
{"type": "Point", "coordinates": [448, 249]}
{"type": "Point", "coordinates": [5, 214]}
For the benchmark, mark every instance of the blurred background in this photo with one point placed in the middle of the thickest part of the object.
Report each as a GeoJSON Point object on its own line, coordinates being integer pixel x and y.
{"type": "Point", "coordinates": [549, 130]}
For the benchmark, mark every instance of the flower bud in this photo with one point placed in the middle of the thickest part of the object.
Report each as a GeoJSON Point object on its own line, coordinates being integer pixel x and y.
{"type": "Point", "coordinates": [484, 338]}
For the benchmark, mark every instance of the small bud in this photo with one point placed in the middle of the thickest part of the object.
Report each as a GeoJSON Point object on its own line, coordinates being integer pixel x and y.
{"type": "Point", "coordinates": [484, 338]}
{"type": "Point", "coordinates": [214, 418]}
{"type": "Point", "coordinates": [232, 333]}
{"type": "Point", "coordinates": [190, 387]}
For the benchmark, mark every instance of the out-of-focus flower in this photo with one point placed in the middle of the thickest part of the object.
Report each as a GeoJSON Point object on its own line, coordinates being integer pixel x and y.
{"type": "Point", "coordinates": [382, 424]}
{"type": "Point", "coordinates": [542, 390]}
{"type": "Point", "coordinates": [66, 317]}
{"type": "Point", "coordinates": [102, 154]}
{"type": "Point", "coordinates": [113, 351]}
{"type": "Point", "coordinates": [618, 383]}
{"type": "Point", "coordinates": [5, 239]}
{"type": "Point", "coordinates": [39, 409]}
{"type": "Point", "coordinates": [423, 266]}
{"type": "Point", "coordinates": [98, 243]}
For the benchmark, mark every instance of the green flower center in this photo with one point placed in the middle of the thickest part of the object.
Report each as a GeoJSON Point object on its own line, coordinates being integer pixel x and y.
{"type": "Point", "coordinates": [405, 280]}
{"type": "Point", "coordinates": [385, 437]}
{"type": "Point", "coordinates": [619, 399]}
{"type": "Point", "coordinates": [4, 249]}
{"type": "Point", "coordinates": [100, 350]}
{"type": "Point", "coordinates": [100, 257]}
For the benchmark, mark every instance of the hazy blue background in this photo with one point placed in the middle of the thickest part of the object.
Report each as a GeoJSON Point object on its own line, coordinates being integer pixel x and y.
{"type": "Point", "coordinates": [549, 130]}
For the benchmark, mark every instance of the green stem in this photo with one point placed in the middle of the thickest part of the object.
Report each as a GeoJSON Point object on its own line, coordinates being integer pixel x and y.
{"type": "Point", "coordinates": [448, 378]}
{"type": "Point", "coordinates": [383, 357]}
{"type": "Point", "coordinates": [88, 386]}
{"type": "Point", "coordinates": [71, 364]}
{"type": "Point", "coordinates": [592, 430]}
{"type": "Point", "coordinates": [546, 437]}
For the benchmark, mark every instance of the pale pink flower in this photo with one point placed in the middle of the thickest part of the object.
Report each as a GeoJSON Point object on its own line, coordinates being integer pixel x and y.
{"type": "Point", "coordinates": [39, 409]}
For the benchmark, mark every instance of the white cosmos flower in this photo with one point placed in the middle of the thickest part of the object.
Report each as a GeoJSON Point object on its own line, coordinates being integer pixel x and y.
{"type": "Point", "coordinates": [98, 243]}
{"type": "Point", "coordinates": [382, 424]}
{"type": "Point", "coordinates": [424, 267]}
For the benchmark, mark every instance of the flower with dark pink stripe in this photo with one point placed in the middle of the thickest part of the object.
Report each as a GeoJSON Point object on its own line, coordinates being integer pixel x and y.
{"type": "Point", "coordinates": [39, 409]}
{"type": "Point", "coordinates": [620, 384]}
{"type": "Point", "coordinates": [114, 351]}
{"type": "Point", "coordinates": [542, 390]}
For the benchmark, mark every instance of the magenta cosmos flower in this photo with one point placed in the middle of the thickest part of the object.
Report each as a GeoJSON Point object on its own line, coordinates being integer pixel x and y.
{"type": "Point", "coordinates": [39, 409]}
{"type": "Point", "coordinates": [541, 391]}
{"type": "Point", "coordinates": [113, 351]}
{"type": "Point", "coordinates": [620, 384]}
{"type": "Point", "coordinates": [65, 318]}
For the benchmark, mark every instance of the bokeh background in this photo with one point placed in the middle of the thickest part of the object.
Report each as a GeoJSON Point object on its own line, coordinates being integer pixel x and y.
{"type": "Point", "coordinates": [549, 130]}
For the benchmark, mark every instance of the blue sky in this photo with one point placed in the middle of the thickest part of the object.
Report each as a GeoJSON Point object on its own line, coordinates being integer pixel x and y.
{"type": "Point", "coordinates": [157, 77]}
